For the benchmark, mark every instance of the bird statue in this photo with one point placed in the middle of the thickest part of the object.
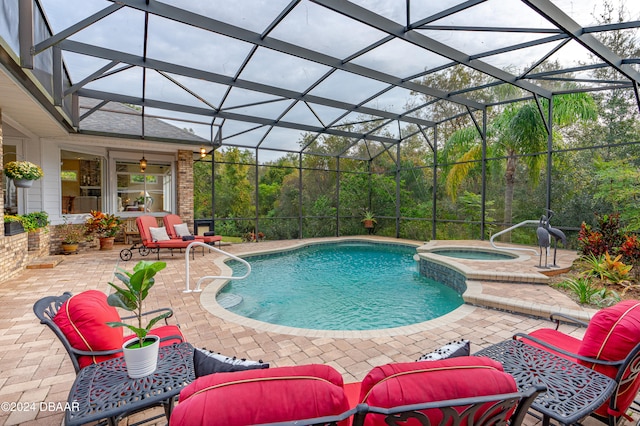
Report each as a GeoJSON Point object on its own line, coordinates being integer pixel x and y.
{"type": "Point", "coordinates": [543, 240]}
{"type": "Point", "coordinates": [556, 234]}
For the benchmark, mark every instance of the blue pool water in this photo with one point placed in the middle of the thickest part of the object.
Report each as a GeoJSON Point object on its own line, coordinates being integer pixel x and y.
{"type": "Point", "coordinates": [459, 253]}
{"type": "Point", "coordinates": [339, 286]}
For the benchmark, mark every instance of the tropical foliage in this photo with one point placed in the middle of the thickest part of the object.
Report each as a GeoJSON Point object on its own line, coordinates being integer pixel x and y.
{"type": "Point", "coordinates": [103, 224]}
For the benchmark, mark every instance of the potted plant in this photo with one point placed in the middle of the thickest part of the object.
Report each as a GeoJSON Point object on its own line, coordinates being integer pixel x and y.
{"type": "Point", "coordinates": [71, 235]}
{"type": "Point", "coordinates": [12, 225]}
{"type": "Point", "coordinates": [368, 219]}
{"type": "Point", "coordinates": [34, 221]}
{"type": "Point", "coordinates": [23, 173]}
{"type": "Point", "coordinates": [140, 353]}
{"type": "Point", "coordinates": [105, 226]}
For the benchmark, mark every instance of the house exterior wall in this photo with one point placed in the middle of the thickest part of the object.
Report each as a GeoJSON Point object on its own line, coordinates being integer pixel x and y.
{"type": "Point", "coordinates": [184, 182]}
{"type": "Point", "coordinates": [13, 249]}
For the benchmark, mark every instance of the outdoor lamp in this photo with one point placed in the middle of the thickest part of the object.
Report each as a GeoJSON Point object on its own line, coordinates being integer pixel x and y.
{"type": "Point", "coordinates": [143, 164]}
{"type": "Point", "coordinates": [203, 152]}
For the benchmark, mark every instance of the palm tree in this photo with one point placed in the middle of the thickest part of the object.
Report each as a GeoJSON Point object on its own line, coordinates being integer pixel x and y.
{"type": "Point", "coordinates": [518, 130]}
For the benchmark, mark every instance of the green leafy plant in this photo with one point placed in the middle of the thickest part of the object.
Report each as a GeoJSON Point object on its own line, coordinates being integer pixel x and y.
{"type": "Point", "coordinates": [584, 289]}
{"type": "Point", "coordinates": [130, 298]}
{"type": "Point", "coordinates": [368, 216]}
{"type": "Point", "coordinates": [594, 264]}
{"type": "Point", "coordinates": [34, 221]}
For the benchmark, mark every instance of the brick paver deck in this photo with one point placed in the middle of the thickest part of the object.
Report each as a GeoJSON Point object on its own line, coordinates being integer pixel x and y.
{"type": "Point", "coordinates": [34, 366]}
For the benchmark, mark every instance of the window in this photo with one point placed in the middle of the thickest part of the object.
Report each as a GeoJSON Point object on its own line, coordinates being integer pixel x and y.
{"type": "Point", "coordinates": [143, 192]}
{"type": "Point", "coordinates": [81, 182]}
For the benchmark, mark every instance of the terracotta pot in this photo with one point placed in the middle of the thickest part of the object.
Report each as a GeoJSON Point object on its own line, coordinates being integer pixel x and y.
{"type": "Point", "coordinates": [368, 223]}
{"type": "Point", "coordinates": [106, 243]}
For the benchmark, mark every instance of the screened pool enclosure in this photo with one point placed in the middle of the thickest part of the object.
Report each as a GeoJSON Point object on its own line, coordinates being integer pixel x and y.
{"type": "Point", "coordinates": [445, 119]}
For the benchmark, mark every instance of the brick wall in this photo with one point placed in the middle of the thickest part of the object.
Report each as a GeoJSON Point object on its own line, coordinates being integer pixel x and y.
{"type": "Point", "coordinates": [184, 198]}
{"type": "Point", "coordinates": [39, 242]}
{"type": "Point", "coordinates": [13, 255]}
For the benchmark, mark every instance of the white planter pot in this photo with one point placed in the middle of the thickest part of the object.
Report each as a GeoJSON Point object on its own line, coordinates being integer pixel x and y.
{"type": "Point", "coordinates": [141, 361]}
{"type": "Point", "coordinates": [23, 183]}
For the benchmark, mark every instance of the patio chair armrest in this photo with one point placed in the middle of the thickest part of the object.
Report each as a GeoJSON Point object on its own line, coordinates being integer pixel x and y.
{"type": "Point", "coordinates": [95, 353]}
{"type": "Point", "coordinates": [558, 318]}
{"type": "Point", "coordinates": [519, 336]}
{"type": "Point", "coordinates": [172, 337]}
{"type": "Point", "coordinates": [155, 311]}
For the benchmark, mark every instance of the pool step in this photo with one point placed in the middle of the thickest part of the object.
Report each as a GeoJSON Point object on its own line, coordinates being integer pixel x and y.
{"type": "Point", "coordinates": [229, 300]}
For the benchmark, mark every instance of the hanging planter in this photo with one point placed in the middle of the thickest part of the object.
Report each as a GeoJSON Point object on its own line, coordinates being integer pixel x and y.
{"type": "Point", "coordinates": [23, 183]}
{"type": "Point", "coordinates": [23, 173]}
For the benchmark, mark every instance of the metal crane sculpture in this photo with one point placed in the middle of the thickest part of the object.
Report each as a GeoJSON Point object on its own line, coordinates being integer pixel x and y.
{"type": "Point", "coordinates": [556, 234]}
{"type": "Point", "coordinates": [543, 240]}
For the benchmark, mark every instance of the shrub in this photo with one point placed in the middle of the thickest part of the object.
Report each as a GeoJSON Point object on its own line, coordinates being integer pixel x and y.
{"type": "Point", "coordinates": [585, 290]}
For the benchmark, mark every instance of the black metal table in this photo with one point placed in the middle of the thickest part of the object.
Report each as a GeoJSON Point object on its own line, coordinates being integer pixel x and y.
{"type": "Point", "coordinates": [573, 391]}
{"type": "Point", "coordinates": [105, 391]}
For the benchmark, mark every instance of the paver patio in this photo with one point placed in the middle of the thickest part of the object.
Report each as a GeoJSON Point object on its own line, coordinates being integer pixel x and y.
{"type": "Point", "coordinates": [34, 366]}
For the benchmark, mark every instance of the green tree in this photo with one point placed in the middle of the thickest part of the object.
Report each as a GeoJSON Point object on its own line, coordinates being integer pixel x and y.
{"type": "Point", "coordinates": [516, 134]}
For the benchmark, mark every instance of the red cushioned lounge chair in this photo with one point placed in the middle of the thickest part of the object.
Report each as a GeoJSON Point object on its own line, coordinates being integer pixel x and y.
{"type": "Point", "coordinates": [171, 220]}
{"type": "Point", "coordinates": [80, 323]}
{"type": "Point", "coordinates": [314, 395]}
{"type": "Point", "coordinates": [611, 345]}
{"type": "Point", "coordinates": [147, 226]}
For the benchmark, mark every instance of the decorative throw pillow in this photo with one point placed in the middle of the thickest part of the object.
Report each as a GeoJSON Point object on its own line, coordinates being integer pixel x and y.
{"type": "Point", "coordinates": [205, 363]}
{"type": "Point", "coordinates": [188, 238]}
{"type": "Point", "coordinates": [182, 230]}
{"type": "Point", "coordinates": [82, 319]}
{"type": "Point", "coordinates": [450, 350]}
{"type": "Point", "coordinates": [159, 234]}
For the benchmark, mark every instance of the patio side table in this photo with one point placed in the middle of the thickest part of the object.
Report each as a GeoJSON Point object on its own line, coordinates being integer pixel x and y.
{"type": "Point", "coordinates": [105, 391]}
{"type": "Point", "coordinates": [573, 391]}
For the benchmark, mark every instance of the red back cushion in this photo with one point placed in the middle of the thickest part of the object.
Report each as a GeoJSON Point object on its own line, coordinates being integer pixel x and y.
{"type": "Point", "coordinates": [170, 221]}
{"type": "Point", "coordinates": [83, 320]}
{"type": "Point", "coordinates": [612, 333]}
{"type": "Point", "coordinates": [262, 396]}
{"type": "Point", "coordinates": [399, 384]}
{"type": "Point", "coordinates": [144, 223]}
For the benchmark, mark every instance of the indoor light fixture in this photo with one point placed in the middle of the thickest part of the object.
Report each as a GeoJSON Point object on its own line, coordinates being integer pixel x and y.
{"type": "Point", "coordinates": [143, 164]}
{"type": "Point", "coordinates": [203, 152]}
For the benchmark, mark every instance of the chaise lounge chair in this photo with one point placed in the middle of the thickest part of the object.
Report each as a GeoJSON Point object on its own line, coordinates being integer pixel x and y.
{"type": "Point", "coordinates": [177, 229]}
{"type": "Point", "coordinates": [611, 346]}
{"type": "Point", "coordinates": [153, 238]}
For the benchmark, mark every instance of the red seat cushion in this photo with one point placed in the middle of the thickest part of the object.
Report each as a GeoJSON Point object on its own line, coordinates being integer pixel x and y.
{"type": "Point", "coordinates": [399, 384]}
{"type": "Point", "coordinates": [555, 338]}
{"type": "Point", "coordinates": [83, 320]}
{"type": "Point", "coordinates": [262, 396]}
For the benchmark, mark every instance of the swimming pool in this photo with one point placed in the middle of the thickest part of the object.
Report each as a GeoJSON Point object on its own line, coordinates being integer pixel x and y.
{"type": "Point", "coordinates": [339, 286]}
